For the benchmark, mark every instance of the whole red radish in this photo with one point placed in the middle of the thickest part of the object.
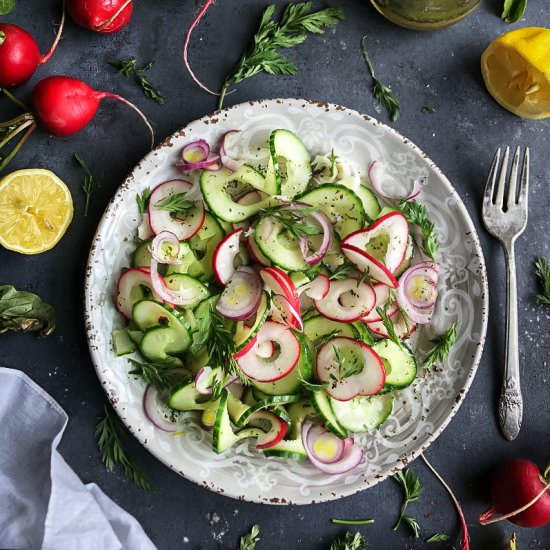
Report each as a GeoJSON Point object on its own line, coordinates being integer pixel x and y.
{"type": "Point", "coordinates": [20, 55]}
{"type": "Point", "coordinates": [518, 485]}
{"type": "Point", "coordinates": [105, 16]}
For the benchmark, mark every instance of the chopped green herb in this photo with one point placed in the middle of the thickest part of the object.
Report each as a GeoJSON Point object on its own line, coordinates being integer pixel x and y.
{"type": "Point", "coordinates": [293, 220]}
{"type": "Point", "coordinates": [292, 29]}
{"type": "Point", "coordinates": [513, 10]}
{"type": "Point", "coordinates": [143, 199]}
{"type": "Point", "coordinates": [157, 374]}
{"type": "Point", "coordinates": [110, 434]}
{"type": "Point", "coordinates": [88, 185]}
{"type": "Point", "coordinates": [441, 347]}
{"type": "Point", "coordinates": [352, 521]}
{"type": "Point", "coordinates": [249, 541]}
{"type": "Point", "coordinates": [417, 214]}
{"type": "Point", "coordinates": [388, 325]}
{"type": "Point", "coordinates": [346, 368]}
{"type": "Point", "coordinates": [383, 94]}
{"type": "Point", "coordinates": [343, 271]}
{"type": "Point", "coordinates": [178, 203]}
{"type": "Point", "coordinates": [332, 158]}
{"type": "Point", "coordinates": [543, 273]}
{"type": "Point", "coordinates": [350, 541]}
{"type": "Point", "coordinates": [438, 537]}
{"type": "Point", "coordinates": [313, 386]}
{"type": "Point", "coordinates": [128, 67]}
{"type": "Point", "coordinates": [412, 490]}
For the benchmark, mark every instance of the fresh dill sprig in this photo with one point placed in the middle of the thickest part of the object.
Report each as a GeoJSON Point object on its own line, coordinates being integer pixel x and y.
{"type": "Point", "coordinates": [313, 386]}
{"type": "Point", "coordinates": [318, 342]}
{"type": "Point", "coordinates": [343, 271]}
{"type": "Point", "coordinates": [441, 347]}
{"type": "Point", "coordinates": [89, 185]}
{"type": "Point", "coordinates": [157, 374]}
{"type": "Point", "coordinates": [332, 158]}
{"type": "Point", "coordinates": [543, 273]}
{"type": "Point", "coordinates": [249, 541]}
{"type": "Point", "coordinates": [346, 367]}
{"type": "Point", "coordinates": [178, 203]}
{"type": "Point", "coordinates": [438, 537]}
{"type": "Point", "coordinates": [410, 483]}
{"type": "Point", "coordinates": [512, 10]}
{"type": "Point", "coordinates": [417, 214]}
{"type": "Point", "coordinates": [383, 94]}
{"type": "Point", "coordinates": [110, 434]}
{"type": "Point", "coordinates": [128, 67]}
{"type": "Point", "coordinates": [143, 199]}
{"type": "Point", "coordinates": [293, 220]}
{"type": "Point", "coordinates": [292, 29]}
{"type": "Point", "coordinates": [389, 326]}
{"type": "Point", "coordinates": [350, 541]}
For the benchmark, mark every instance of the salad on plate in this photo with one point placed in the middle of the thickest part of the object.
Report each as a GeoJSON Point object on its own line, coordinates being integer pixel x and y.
{"type": "Point", "coordinates": [275, 296]}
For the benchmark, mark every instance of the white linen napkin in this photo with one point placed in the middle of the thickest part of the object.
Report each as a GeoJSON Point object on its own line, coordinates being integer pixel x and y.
{"type": "Point", "coordinates": [43, 503]}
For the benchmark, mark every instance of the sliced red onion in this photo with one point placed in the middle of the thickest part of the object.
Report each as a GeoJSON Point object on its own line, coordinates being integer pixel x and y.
{"type": "Point", "coordinates": [203, 381]}
{"type": "Point", "coordinates": [153, 407]}
{"type": "Point", "coordinates": [212, 163]}
{"type": "Point", "coordinates": [379, 178]}
{"type": "Point", "coordinates": [242, 295]}
{"type": "Point", "coordinates": [227, 161]}
{"type": "Point", "coordinates": [351, 456]}
{"type": "Point", "coordinates": [196, 151]}
{"type": "Point", "coordinates": [285, 313]}
{"type": "Point", "coordinates": [165, 248]}
{"type": "Point", "coordinates": [319, 435]}
{"type": "Point", "coordinates": [418, 303]}
{"type": "Point", "coordinates": [326, 228]}
{"type": "Point", "coordinates": [177, 298]}
{"type": "Point", "coordinates": [235, 387]}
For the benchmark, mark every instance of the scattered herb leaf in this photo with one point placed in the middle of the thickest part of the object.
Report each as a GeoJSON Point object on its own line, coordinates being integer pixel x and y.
{"type": "Point", "coordinates": [157, 374]}
{"type": "Point", "coordinates": [352, 521]}
{"type": "Point", "coordinates": [412, 490]}
{"type": "Point", "coordinates": [313, 386]}
{"type": "Point", "coordinates": [318, 342]}
{"type": "Point", "coordinates": [292, 29]}
{"type": "Point", "coordinates": [178, 203]}
{"type": "Point", "coordinates": [143, 199]}
{"type": "Point", "coordinates": [110, 434]}
{"type": "Point", "coordinates": [441, 347]}
{"type": "Point", "coordinates": [6, 6]}
{"type": "Point", "coordinates": [293, 220]}
{"type": "Point", "coordinates": [343, 271]}
{"type": "Point", "coordinates": [350, 541]}
{"type": "Point", "coordinates": [23, 311]}
{"type": "Point", "coordinates": [427, 109]}
{"type": "Point", "coordinates": [513, 10]}
{"type": "Point", "coordinates": [346, 368]}
{"type": "Point", "coordinates": [383, 94]}
{"type": "Point", "coordinates": [249, 541]}
{"type": "Point", "coordinates": [128, 67]}
{"type": "Point", "coordinates": [89, 185]}
{"type": "Point", "coordinates": [543, 273]}
{"type": "Point", "coordinates": [438, 537]}
{"type": "Point", "coordinates": [388, 325]}
{"type": "Point", "coordinates": [417, 214]}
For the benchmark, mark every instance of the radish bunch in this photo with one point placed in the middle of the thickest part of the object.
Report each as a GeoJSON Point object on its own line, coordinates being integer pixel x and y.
{"type": "Point", "coordinates": [105, 16]}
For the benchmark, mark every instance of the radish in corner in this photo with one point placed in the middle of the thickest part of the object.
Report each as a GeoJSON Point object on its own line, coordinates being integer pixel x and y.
{"type": "Point", "coordinates": [105, 16]}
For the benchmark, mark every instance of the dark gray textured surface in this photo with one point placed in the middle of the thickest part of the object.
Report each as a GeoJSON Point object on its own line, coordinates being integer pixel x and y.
{"type": "Point", "coordinates": [439, 70]}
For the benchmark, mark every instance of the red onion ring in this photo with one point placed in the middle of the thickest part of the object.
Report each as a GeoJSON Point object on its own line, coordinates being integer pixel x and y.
{"type": "Point", "coordinates": [203, 381]}
{"type": "Point", "coordinates": [243, 308]}
{"type": "Point", "coordinates": [172, 296]}
{"type": "Point", "coordinates": [326, 227]}
{"type": "Point", "coordinates": [317, 432]}
{"type": "Point", "coordinates": [196, 151]}
{"type": "Point", "coordinates": [377, 174]}
{"type": "Point", "coordinates": [211, 163]}
{"type": "Point", "coordinates": [419, 310]}
{"type": "Point", "coordinates": [157, 244]}
{"type": "Point", "coordinates": [152, 405]}
{"type": "Point", "coordinates": [227, 161]}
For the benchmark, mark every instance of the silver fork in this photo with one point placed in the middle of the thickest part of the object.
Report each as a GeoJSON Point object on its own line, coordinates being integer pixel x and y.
{"type": "Point", "coordinates": [505, 218]}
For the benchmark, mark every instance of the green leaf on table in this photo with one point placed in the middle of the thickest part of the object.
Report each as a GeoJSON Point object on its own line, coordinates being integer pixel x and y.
{"type": "Point", "coordinates": [513, 10]}
{"type": "Point", "coordinates": [350, 541]}
{"type": "Point", "coordinates": [438, 537]}
{"type": "Point", "coordinates": [6, 6]}
{"type": "Point", "coordinates": [410, 483]}
{"type": "Point", "coordinates": [542, 270]}
{"type": "Point", "coordinates": [249, 541]}
{"type": "Point", "coordinates": [23, 311]}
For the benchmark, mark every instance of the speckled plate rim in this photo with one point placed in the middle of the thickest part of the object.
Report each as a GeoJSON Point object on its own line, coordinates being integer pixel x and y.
{"type": "Point", "coordinates": [150, 158]}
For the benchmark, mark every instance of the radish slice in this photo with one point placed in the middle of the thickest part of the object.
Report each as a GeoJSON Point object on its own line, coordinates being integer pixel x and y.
{"type": "Point", "coordinates": [129, 289]}
{"type": "Point", "coordinates": [324, 445]}
{"type": "Point", "coordinates": [265, 350]}
{"type": "Point", "coordinates": [242, 295]}
{"type": "Point", "coordinates": [277, 366]}
{"type": "Point", "coordinates": [395, 228]}
{"type": "Point", "coordinates": [155, 410]}
{"type": "Point", "coordinates": [223, 260]}
{"type": "Point", "coordinates": [346, 301]}
{"type": "Point", "coordinates": [417, 292]}
{"type": "Point", "coordinates": [326, 228]}
{"type": "Point", "coordinates": [386, 186]}
{"type": "Point", "coordinates": [279, 282]}
{"type": "Point", "coordinates": [196, 151]}
{"type": "Point", "coordinates": [401, 329]}
{"type": "Point", "coordinates": [255, 253]}
{"type": "Point", "coordinates": [227, 161]}
{"type": "Point", "coordinates": [352, 455]}
{"type": "Point", "coordinates": [184, 297]}
{"type": "Point", "coordinates": [163, 220]}
{"type": "Point", "coordinates": [382, 297]}
{"type": "Point", "coordinates": [369, 264]}
{"type": "Point", "coordinates": [276, 433]}
{"type": "Point", "coordinates": [318, 288]}
{"type": "Point", "coordinates": [368, 381]}
{"type": "Point", "coordinates": [283, 312]}
{"type": "Point", "coordinates": [165, 248]}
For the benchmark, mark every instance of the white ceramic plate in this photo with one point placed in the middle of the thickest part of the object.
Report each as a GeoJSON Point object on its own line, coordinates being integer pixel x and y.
{"type": "Point", "coordinates": [420, 413]}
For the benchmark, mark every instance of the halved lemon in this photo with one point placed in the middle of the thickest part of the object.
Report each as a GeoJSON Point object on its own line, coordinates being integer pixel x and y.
{"type": "Point", "coordinates": [36, 208]}
{"type": "Point", "coordinates": [516, 70]}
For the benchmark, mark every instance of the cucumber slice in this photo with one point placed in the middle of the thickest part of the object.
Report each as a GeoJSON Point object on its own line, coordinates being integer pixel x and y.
{"type": "Point", "coordinates": [204, 244]}
{"type": "Point", "coordinates": [369, 201]}
{"type": "Point", "coordinates": [243, 334]}
{"type": "Point", "coordinates": [399, 362]}
{"type": "Point", "coordinates": [264, 404]}
{"type": "Point", "coordinates": [235, 407]}
{"type": "Point", "coordinates": [317, 327]}
{"type": "Point", "coordinates": [191, 286]}
{"type": "Point", "coordinates": [363, 414]}
{"type": "Point", "coordinates": [341, 205]}
{"type": "Point", "coordinates": [187, 263]}
{"type": "Point", "coordinates": [223, 436]}
{"type": "Point", "coordinates": [135, 335]}
{"type": "Point", "coordinates": [364, 333]}
{"type": "Point", "coordinates": [217, 190]}
{"type": "Point", "coordinates": [289, 168]}
{"type": "Point", "coordinates": [159, 344]}
{"type": "Point", "coordinates": [122, 343]}
{"type": "Point", "coordinates": [321, 404]}
{"type": "Point", "coordinates": [185, 398]}
{"type": "Point", "coordinates": [291, 448]}
{"type": "Point", "coordinates": [298, 412]}
{"type": "Point", "coordinates": [142, 255]}
{"type": "Point", "coordinates": [278, 245]}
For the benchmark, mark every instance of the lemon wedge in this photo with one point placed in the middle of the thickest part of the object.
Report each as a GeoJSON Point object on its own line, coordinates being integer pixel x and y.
{"type": "Point", "coordinates": [516, 70]}
{"type": "Point", "coordinates": [36, 208]}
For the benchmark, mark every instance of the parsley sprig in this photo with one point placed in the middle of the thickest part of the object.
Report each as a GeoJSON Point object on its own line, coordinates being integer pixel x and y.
{"type": "Point", "coordinates": [292, 29]}
{"type": "Point", "coordinates": [417, 214]}
{"type": "Point", "coordinates": [110, 434]}
{"type": "Point", "coordinates": [441, 347]}
{"type": "Point", "coordinates": [412, 490]}
{"type": "Point", "coordinates": [143, 199]}
{"type": "Point", "coordinates": [383, 94]}
{"type": "Point", "coordinates": [89, 185]}
{"type": "Point", "coordinates": [543, 273]}
{"type": "Point", "coordinates": [350, 541]}
{"type": "Point", "coordinates": [157, 374]}
{"type": "Point", "coordinates": [128, 67]}
{"type": "Point", "coordinates": [249, 541]}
